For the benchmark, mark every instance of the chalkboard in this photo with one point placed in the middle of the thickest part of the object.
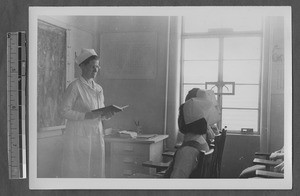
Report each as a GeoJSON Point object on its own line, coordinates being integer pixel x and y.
{"type": "Point", "coordinates": [51, 79]}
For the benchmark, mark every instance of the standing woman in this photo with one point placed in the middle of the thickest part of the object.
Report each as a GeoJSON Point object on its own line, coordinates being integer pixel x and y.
{"type": "Point", "coordinates": [83, 142]}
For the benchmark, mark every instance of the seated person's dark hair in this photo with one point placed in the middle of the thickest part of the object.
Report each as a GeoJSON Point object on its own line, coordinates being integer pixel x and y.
{"type": "Point", "coordinates": [198, 127]}
{"type": "Point", "coordinates": [191, 94]}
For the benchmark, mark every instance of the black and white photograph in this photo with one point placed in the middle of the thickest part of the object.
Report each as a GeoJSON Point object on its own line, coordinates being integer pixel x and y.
{"type": "Point", "coordinates": [160, 97]}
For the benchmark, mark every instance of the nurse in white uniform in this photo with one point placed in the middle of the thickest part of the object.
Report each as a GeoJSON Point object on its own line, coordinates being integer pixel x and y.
{"type": "Point", "coordinates": [83, 142]}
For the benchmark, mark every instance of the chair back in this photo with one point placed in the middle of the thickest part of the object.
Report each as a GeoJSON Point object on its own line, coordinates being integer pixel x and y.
{"type": "Point", "coordinates": [220, 151]}
{"type": "Point", "coordinates": [218, 146]}
{"type": "Point", "coordinates": [204, 167]}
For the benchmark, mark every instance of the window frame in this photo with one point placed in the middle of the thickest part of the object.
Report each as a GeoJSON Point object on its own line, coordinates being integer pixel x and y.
{"type": "Point", "coordinates": [221, 35]}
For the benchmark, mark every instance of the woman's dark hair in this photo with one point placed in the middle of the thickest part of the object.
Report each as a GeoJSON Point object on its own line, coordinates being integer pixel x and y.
{"type": "Point", "coordinates": [86, 61]}
{"type": "Point", "coordinates": [198, 127]}
{"type": "Point", "coordinates": [194, 93]}
{"type": "Point", "coordinates": [191, 94]}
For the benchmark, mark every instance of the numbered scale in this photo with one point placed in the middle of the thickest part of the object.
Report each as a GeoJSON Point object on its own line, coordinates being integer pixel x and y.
{"type": "Point", "coordinates": [16, 100]}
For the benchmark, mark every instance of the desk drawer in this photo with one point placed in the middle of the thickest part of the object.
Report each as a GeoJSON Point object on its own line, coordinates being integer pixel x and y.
{"type": "Point", "coordinates": [129, 149]}
{"type": "Point", "coordinates": [124, 165]}
{"type": "Point", "coordinates": [126, 172]}
{"type": "Point", "coordinates": [128, 159]}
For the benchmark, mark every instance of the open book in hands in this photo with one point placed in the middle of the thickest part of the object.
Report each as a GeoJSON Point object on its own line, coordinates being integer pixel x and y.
{"type": "Point", "coordinates": [111, 109]}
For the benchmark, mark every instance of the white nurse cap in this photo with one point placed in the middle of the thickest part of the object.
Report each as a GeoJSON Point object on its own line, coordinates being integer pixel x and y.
{"type": "Point", "coordinates": [85, 53]}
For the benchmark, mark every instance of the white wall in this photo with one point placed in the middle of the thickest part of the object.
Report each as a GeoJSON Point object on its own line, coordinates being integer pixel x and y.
{"type": "Point", "coordinates": [272, 132]}
{"type": "Point", "coordinates": [146, 97]}
{"type": "Point", "coordinates": [49, 145]}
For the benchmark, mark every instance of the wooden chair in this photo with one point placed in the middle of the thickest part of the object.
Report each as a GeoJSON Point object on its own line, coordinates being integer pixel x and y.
{"type": "Point", "coordinates": [206, 164]}
{"type": "Point", "coordinates": [264, 159]}
{"type": "Point", "coordinates": [158, 166]}
{"type": "Point", "coordinates": [270, 164]}
{"type": "Point", "coordinates": [219, 144]}
{"type": "Point", "coordinates": [267, 171]}
{"type": "Point", "coordinates": [204, 167]}
{"type": "Point", "coordinates": [268, 174]}
{"type": "Point", "coordinates": [263, 155]}
{"type": "Point", "coordinates": [169, 153]}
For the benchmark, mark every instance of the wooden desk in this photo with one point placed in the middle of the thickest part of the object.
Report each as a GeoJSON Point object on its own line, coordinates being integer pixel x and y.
{"type": "Point", "coordinates": [124, 156]}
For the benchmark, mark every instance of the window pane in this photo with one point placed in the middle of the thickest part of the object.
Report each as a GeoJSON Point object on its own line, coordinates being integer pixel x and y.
{"type": "Point", "coordinates": [216, 21]}
{"type": "Point", "coordinates": [212, 87]}
{"type": "Point", "coordinates": [200, 71]}
{"type": "Point", "coordinates": [187, 88]}
{"type": "Point", "coordinates": [242, 48]}
{"type": "Point", "coordinates": [237, 119]}
{"type": "Point", "coordinates": [246, 96]}
{"type": "Point", "coordinates": [201, 49]}
{"type": "Point", "coordinates": [242, 71]}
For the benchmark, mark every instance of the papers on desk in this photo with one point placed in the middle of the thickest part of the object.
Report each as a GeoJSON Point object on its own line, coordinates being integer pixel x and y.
{"type": "Point", "coordinates": [127, 134]}
{"type": "Point", "coordinates": [132, 134]}
{"type": "Point", "coordinates": [146, 136]}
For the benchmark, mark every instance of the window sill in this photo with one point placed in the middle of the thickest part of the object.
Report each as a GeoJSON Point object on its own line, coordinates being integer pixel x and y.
{"type": "Point", "coordinates": [242, 134]}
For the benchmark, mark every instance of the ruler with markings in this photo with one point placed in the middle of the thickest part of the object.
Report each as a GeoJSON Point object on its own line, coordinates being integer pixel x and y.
{"type": "Point", "coordinates": [16, 102]}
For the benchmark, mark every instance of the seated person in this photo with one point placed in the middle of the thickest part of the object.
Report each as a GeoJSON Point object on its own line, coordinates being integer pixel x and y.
{"type": "Point", "coordinates": [213, 115]}
{"type": "Point", "coordinates": [279, 154]}
{"type": "Point", "coordinates": [279, 167]}
{"type": "Point", "coordinates": [193, 125]}
{"type": "Point", "coordinates": [250, 171]}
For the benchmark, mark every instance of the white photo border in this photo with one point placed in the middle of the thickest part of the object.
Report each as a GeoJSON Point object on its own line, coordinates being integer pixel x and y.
{"type": "Point", "coordinates": [157, 184]}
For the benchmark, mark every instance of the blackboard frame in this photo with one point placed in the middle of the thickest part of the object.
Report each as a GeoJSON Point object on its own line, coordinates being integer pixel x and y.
{"type": "Point", "coordinates": [50, 63]}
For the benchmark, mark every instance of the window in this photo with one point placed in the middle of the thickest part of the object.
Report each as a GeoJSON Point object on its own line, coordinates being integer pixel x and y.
{"type": "Point", "coordinates": [224, 55]}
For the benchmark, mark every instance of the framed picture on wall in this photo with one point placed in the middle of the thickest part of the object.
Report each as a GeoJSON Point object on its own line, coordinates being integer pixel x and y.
{"type": "Point", "coordinates": [155, 59]}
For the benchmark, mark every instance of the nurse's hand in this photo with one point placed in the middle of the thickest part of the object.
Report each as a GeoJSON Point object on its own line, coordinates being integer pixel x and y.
{"type": "Point", "coordinates": [93, 115]}
{"type": "Point", "coordinates": [98, 114]}
{"type": "Point", "coordinates": [107, 115]}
